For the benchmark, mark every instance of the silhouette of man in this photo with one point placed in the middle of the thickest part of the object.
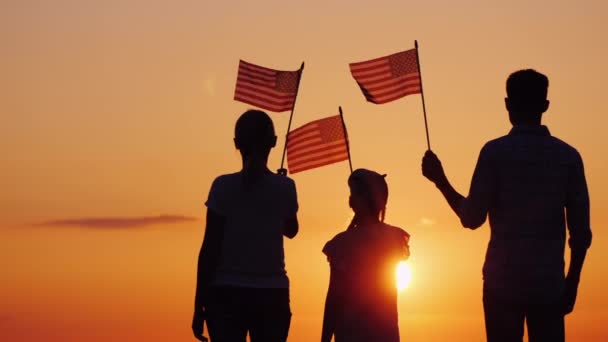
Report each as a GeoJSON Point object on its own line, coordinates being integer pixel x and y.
{"type": "Point", "coordinates": [524, 181]}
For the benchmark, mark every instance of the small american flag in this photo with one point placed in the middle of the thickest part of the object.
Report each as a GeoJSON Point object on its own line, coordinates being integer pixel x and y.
{"type": "Point", "coordinates": [388, 78]}
{"type": "Point", "coordinates": [269, 89]}
{"type": "Point", "coordinates": [318, 143]}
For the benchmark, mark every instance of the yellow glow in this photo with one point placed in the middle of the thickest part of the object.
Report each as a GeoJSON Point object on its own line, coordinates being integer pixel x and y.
{"type": "Point", "coordinates": [404, 276]}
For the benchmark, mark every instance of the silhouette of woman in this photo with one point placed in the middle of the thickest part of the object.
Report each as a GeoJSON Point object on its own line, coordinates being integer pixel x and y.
{"type": "Point", "coordinates": [361, 303]}
{"type": "Point", "coordinates": [242, 286]}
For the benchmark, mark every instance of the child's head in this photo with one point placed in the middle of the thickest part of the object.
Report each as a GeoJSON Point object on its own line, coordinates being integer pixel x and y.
{"type": "Point", "coordinates": [368, 193]}
{"type": "Point", "coordinates": [254, 133]}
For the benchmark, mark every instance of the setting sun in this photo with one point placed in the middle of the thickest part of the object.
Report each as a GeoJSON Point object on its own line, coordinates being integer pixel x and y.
{"type": "Point", "coordinates": [404, 276]}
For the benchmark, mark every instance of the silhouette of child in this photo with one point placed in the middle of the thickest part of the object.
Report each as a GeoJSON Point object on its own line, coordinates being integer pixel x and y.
{"type": "Point", "coordinates": [361, 302]}
{"type": "Point", "coordinates": [242, 286]}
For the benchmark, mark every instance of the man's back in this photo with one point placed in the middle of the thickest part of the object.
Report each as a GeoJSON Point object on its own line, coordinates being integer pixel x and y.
{"type": "Point", "coordinates": [530, 184]}
{"type": "Point", "coordinates": [532, 178]}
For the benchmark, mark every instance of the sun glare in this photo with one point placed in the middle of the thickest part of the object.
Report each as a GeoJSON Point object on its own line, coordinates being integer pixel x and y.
{"type": "Point", "coordinates": [404, 276]}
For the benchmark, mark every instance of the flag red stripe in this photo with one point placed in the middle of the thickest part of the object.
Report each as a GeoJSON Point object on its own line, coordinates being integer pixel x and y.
{"type": "Point", "coordinates": [263, 102]}
{"type": "Point", "coordinates": [327, 155]}
{"type": "Point", "coordinates": [249, 72]}
{"type": "Point", "coordinates": [405, 91]}
{"type": "Point", "coordinates": [257, 68]}
{"type": "Point", "coordinates": [370, 69]}
{"type": "Point", "coordinates": [372, 75]}
{"type": "Point", "coordinates": [273, 94]}
{"type": "Point", "coordinates": [396, 89]}
{"type": "Point", "coordinates": [316, 152]}
{"type": "Point", "coordinates": [313, 128]}
{"type": "Point", "coordinates": [309, 125]}
{"type": "Point", "coordinates": [318, 164]}
{"type": "Point", "coordinates": [386, 78]}
{"type": "Point", "coordinates": [311, 149]}
{"type": "Point", "coordinates": [369, 62]}
{"type": "Point", "coordinates": [313, 125]}
{"type": "Point", "coordinates": [305, 145]}
{"type": "Point", "coordinates": [311, 131]}
{"type": "Point", "coordinates": [393, 97]}
{"type": "Point", "coordinates": [304, 139]}
{"type": "Point", "coordinates": [392, 83]}
{"type": "Point", "coordinates": [255, 80]}
{"type": "Point", "coordinates": [257, 86]}
{"type": "Point", "coordinates": [315, 144]}
{"type": "Point", "coordinates": [264, 97]}
{"type": "Point", "coordinates": [263, 105]}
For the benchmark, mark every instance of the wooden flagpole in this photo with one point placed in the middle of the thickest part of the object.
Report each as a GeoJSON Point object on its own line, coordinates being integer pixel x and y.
{"type": "Point", "coordinates": [282, 170]}
{"type": "Point", "coordinates": [426, 126]}
{"type": "Point", "coordinates": [350, 163]}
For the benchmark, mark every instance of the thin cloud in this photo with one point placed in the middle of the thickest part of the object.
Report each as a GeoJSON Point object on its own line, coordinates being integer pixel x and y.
{"type": "Point", "coordinates": [119, 222]}
{"type": "Point", "coordinates": [425, 221]}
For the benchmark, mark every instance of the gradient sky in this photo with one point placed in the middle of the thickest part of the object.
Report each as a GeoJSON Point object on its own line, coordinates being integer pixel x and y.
{"type": "Point", "coordinates": [116, 116]}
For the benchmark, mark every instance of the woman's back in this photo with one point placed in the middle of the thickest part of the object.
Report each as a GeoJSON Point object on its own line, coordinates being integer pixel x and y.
{"type": "Point", "coordinates": [252, 249]}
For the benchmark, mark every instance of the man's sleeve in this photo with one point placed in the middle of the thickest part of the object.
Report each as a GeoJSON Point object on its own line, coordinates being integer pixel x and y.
{"type": "Point", "coordinates": [577, 207]}
{"type": "Point", "coordinates": [474, 209]}
{"type": "Point", "coordinates": [215, 199]}
{"type": "Point", "coordinates": [292, 200]}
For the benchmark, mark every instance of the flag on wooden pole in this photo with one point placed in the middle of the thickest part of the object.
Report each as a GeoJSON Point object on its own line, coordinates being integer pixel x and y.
{"type": "Point", "coordinates": [317, 143]}
{"type": "Point", "coordinates": [270, 89]}
{"type": "Point", "coordinates": [388, 78]}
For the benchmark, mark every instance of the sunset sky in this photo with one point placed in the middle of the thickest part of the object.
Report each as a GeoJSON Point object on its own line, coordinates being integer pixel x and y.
{"type": "Point", "coordinates": [116, 115]}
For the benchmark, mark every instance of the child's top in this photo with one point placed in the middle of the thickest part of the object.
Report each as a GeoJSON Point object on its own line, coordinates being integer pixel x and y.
{"type": "Point", "coordinates": [255, 214]}
{"type": "Point", "coordinates": [363, 263]}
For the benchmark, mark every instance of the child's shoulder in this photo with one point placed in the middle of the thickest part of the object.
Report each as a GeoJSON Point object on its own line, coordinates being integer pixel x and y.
{"type": "Point", "coordinates": [394, 230]}
{"type": "Point", "coordinates": [333, 244]}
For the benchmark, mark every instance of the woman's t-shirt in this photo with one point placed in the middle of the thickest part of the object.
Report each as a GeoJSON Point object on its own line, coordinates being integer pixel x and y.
{"type": "Point", "coordinates": [255, 214]}
{"type": "Point", "coordinates": [363, 263]}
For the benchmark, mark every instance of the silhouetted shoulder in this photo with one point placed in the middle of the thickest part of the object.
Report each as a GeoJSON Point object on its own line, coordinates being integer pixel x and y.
{"type": "Point", "coordinates": [221, 189]}
{"type": "Point", "coordinates": [390, 237]}
{"type": "Point", "coordinates": [396, 231]}
{"type": "Point", "coordinates": [332, 245]}
{"type": "Point", "coordinates": [236, 177]}
{"type": "Point", "coordinates": [227, 189]}
{"type": "Point", "coordinates": [567, 148]}
{"type": "Point", "coordinates": [400, 239]}
{"type": "Point", "coordinates": [551, 146]}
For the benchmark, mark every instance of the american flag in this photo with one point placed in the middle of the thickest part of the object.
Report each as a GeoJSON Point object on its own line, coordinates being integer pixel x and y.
{"type": "Point", "coordinates": [316, 144]}
{"type": "Point", "coordinates": [388, 78]}
{"type": "Point", "coordinates": [269, 89]}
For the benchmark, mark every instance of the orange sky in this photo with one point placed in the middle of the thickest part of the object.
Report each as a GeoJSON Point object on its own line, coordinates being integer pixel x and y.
{"type": "Point", "coordinates": [124, 108]}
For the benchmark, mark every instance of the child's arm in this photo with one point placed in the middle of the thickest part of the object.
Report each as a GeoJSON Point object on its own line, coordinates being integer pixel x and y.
{"type": "Point", "coordinates": [208, 260]}
{"type": "Point", "coordinates": [331, 310]}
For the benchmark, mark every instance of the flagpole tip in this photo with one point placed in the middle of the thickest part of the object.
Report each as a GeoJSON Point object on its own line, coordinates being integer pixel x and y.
{"type": "Point", "coordinates": [416, 43]}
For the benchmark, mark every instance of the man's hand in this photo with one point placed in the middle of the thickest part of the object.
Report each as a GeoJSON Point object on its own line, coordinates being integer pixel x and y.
{"type": "Point", "coordinates": [569, 298]}
{"type": "Point", "coordinates": [432, 168]}
{"type": "Point", "coordinates": [198, 325]}
{"type": "Point", "coordinates": [282, 171]}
